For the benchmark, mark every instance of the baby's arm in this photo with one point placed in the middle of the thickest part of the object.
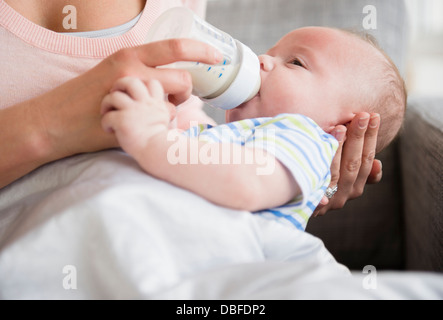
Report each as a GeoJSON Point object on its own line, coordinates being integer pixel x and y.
{"type": "Point", "coordinates": [140, 118]}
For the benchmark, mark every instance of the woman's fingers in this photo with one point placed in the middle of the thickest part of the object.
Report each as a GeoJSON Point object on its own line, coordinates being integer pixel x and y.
{"type": "Point", "coordinates": [368, 154]}
{"type": "Point", "coordinates": [177, 83]}
{"type": "Point", "coordinates": [357, 165]}
{"type": "Point", "coordinates": [352, 158]}
{"type": "Point", "coordinates": [141, 62]}
{"type": "Point", "coordinates": [376, 172]}
{"type": "Point", "coordinates": [168, 51]}
{"type": "Point", "coordinates": [340, 134]}
{"type": "Point", "coordinates": [133, 87]}
{"type": "Point", "coordinates": [116, 100]}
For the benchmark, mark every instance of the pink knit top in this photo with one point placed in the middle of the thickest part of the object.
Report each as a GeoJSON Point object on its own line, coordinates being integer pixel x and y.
{"type": "Point", "coordinates": [34, 60]}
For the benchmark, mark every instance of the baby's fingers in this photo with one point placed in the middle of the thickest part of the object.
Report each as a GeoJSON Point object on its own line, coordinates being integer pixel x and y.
{"type": "Point", "coordinates": [114, 101]}
{"type": "Point", "coordinates": [109, 122]}
{"type": "Point", "coordinates": [156, 90]}
{"type": "Point", "coordinates": [157, 93]}
{"type": "Point", "coordinates": [133, 87]}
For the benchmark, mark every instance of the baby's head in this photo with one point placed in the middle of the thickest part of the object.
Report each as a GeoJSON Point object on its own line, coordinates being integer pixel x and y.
{"type": "Point", "coordinates": [329, 75]}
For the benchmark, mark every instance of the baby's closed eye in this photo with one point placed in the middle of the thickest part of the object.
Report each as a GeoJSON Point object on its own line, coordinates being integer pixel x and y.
{"type": "Point", "coordinates": [297, 62]}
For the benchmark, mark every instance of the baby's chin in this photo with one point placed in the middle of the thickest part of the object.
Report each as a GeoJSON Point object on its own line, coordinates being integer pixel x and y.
{"type": "Point", "coordinates": [233, 115]}
{"type": "Point", "coordinates": [247, 110]}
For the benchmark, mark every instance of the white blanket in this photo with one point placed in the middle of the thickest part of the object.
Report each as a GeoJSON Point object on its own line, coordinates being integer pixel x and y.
{"type": "Point", "coordinates": [96, 227]}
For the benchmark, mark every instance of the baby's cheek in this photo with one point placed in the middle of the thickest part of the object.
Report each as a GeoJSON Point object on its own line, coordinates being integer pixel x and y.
{"type": "Point", "coordinates": [277, 105]}
{"type": "Point", "coordinates": [274, 99]}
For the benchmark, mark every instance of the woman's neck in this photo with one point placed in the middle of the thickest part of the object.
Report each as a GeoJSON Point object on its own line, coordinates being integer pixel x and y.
{"type": "Point", "coordinates": [89, 15]}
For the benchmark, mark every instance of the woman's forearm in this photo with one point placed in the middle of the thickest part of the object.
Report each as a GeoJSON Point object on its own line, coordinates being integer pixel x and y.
{"type": "Point", "coordinates": [55, 125]}
{"type": "Point", "coordinates": [23, 143]}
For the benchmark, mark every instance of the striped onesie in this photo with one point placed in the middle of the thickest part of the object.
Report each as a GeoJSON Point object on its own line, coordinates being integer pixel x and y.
{"type": "Point", "coordinates": [298, 143]}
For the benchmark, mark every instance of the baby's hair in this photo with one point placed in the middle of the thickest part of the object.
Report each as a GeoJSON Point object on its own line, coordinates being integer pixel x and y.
{"type": "Point", "coordinates": [391, 101]}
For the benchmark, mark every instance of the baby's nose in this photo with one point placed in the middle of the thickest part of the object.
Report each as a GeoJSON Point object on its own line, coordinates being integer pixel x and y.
{"type": "Point", "coordinates": [266, 62]}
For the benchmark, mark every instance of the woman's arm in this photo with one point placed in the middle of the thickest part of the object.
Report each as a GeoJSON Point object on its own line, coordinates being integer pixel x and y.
{"type": "Point", "coordinates": [22, 141]}
{"type": "Point", "coordinates": [66, 120]}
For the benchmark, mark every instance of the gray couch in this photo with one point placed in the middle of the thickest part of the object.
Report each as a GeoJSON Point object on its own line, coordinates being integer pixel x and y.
{"type": "Point", "coordinates": [398, 223]}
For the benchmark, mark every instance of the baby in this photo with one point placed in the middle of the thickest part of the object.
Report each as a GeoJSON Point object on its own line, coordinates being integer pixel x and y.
{"type": "Point", "coordinates": [273, 155]}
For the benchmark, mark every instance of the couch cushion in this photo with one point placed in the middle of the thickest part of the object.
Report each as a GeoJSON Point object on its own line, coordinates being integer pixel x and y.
{"type": "Point", "coordinates": [422, 166]}
{"type": "Point", "coordinates": [368, 230]}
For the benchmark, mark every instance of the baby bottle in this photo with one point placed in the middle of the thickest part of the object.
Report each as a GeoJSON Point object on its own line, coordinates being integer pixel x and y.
{"type": "Point", "coordinates": [226, 85]}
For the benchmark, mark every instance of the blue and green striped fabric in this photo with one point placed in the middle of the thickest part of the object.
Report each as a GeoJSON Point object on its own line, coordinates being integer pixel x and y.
{"type": "Point", "coordinates": [297, 142]}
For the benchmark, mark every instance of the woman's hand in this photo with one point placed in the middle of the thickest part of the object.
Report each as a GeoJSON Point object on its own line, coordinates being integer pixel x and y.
{"type": "Point", "coordinates": [353, 166]}
{"type": "Point", "coordinates": [74, 118]}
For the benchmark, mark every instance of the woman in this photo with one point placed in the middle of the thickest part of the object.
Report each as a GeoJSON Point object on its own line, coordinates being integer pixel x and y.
{"type": "Point", "coordinates": [53, 84]}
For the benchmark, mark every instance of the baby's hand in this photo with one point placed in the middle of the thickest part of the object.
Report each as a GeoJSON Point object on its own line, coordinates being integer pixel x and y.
{"type": "Point", "coordinates": [136, 112]}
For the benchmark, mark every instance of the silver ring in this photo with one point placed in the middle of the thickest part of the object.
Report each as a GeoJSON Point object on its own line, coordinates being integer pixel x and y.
{"type": "Point", "coordinates": [330, 192]}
